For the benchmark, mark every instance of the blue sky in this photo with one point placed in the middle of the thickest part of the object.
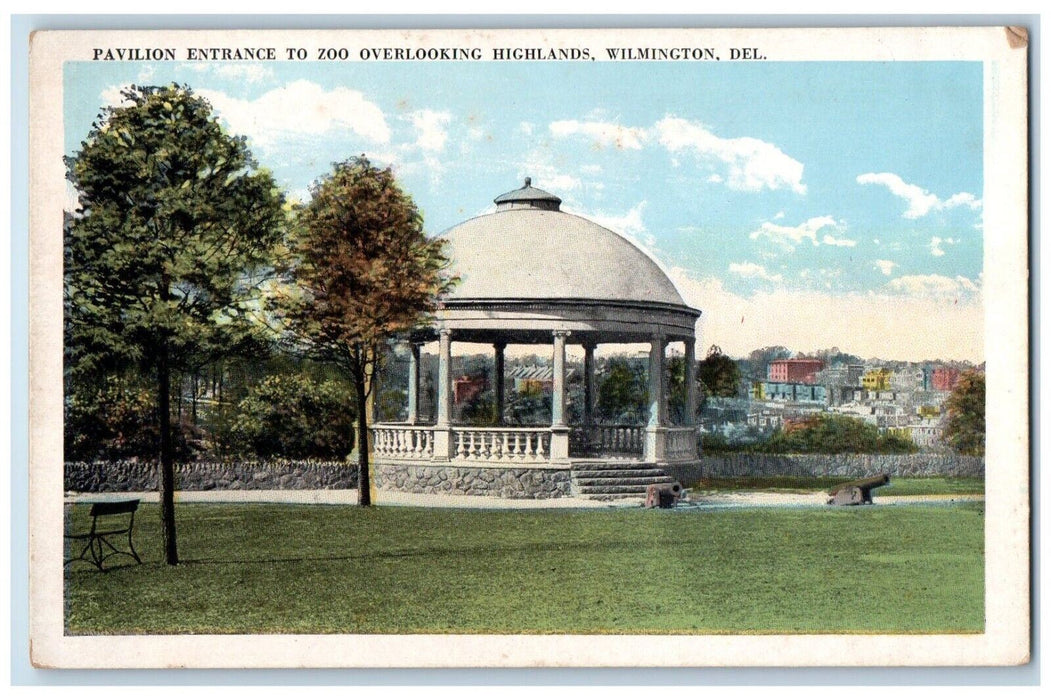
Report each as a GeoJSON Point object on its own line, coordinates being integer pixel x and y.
{"type": "Point", "coordinates": [804, 204]}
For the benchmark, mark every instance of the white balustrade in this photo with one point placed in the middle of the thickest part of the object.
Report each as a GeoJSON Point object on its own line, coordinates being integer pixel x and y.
{"type": "Point", "coordinates": [403, 441]}
{"type": "Point", "coordinates": [507, 445]}
{"type": "Point", "coordinates": [681, 443]}
{"type": "Point", "coordinates": [618, 438]}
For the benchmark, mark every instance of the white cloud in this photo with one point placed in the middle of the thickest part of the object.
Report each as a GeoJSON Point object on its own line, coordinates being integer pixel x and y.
{"type": "Point", "coordinates": [919, 201]}
{"type": "Point", "coordinates": [301, 108]}
{"type": "Point", "coordinates": [538, 166]}
{"type": "Point", "coordinates": [630, 224]}
{"type": "Point", "coordinates": [936, 245]}
{"type": "Point", "coordinates": [242, 72]}
{"type": "Point", "coordinates": [752, 165]}
{"type": "Point", "coordinates": [934, 286]}
{"type": "Point", "coordinates": [72, 199]}
{"type": "Point", "coordinates": [604, 134]}
{"type": "Point", "coordinates": [895, 324]}
{"type": "Point", "coordinates": [753, 270]}
{"type": "Point", "coordinates": [791, 236]}
{"type": "Point", "coordinates": [430, 129]}
{"type": "Point", "coordinates": [886, 266]}
{"type": "Point", "coordinates": [111, 96]}
{"type": "Point", "coordinates": [829, 239]}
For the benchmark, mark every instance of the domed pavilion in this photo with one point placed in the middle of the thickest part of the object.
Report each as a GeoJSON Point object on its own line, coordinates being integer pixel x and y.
{"type": "Point", "coordinates": [531, 274]}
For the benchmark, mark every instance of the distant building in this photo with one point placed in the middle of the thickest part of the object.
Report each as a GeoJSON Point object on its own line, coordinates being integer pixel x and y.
{"type": "Point", "coordinates": [790, 392]}
{"type": "Point", "coordinates": [944, 378]}
{"type": "Point", "coordinates": [466, 388]}
{"type": "Point", "coordinates": [925, 433]}
{"type": "Point", "coordinates": [798, 370]}
{"type": "Point", "coordinates": [535, 378]}
{"type": "Point", "coordinates": [877, 379]}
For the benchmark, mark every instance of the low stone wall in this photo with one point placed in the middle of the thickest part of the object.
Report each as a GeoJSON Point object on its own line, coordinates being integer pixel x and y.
{"type": "Point", "coordinates": [503, 482]}
{"type": "Point", "coordinates": [847, 466]}
{"type": "Point", "coordinates": [98, 477]}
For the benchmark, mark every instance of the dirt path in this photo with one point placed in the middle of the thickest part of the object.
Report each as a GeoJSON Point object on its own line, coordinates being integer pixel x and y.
{"type": "Point", "coordinates": [722, 499]}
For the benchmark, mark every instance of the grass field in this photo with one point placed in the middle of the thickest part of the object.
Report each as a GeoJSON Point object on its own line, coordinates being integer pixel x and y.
{"type": "Point", "coordinates": [911, 486]}
{"type": "Point", "coordinates": [326, 569]}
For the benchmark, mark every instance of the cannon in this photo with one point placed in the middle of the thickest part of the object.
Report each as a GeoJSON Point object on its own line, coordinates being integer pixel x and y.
{"type": "Point", "coordinates": [663, 495]}
{"type": "Point", "coordinates": [856, 493]}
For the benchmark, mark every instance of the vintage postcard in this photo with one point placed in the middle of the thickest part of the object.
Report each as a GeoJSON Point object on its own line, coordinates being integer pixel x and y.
{"type": "Point", "coordinates": [475, 348]}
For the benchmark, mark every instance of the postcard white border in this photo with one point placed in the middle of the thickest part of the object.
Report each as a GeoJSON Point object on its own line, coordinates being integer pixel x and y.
{"type": "Point", "coordinates": [1006, 638]}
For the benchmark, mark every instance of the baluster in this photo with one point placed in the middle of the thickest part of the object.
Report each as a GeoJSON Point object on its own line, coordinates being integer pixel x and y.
{"type": "Point", "coordinates": [460, 446]}
{"type": "Point", "coordinates": [540, 447]}
{"type": "Point", "coordinates": [517, 454]}
{"type": "Point", "coordinates": [504, 451]}
{"type": "Point", "coordinates": [472, 447]}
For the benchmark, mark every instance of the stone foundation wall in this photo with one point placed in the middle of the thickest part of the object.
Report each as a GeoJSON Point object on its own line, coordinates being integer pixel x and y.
{"type": "Point", "coordinates": [847, 466]}
{"type": "Point", "coordinates": [98, 477]}
{"type": "Point", "coordinates": [502, 482]}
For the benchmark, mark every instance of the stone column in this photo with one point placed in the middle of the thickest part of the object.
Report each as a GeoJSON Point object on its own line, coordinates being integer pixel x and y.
{"type": "Point", "coordinates": [691, 381]}
{"type": "Point", "coordinates": [498, 381]}
{"type": "Point", "coordinates": [589, 384]}
{"type": "Point", "coordinates": [559, 429]}
{"type": "Point", "coordinates": [656, 430]}
{"type": "Point", "coordinates": [414, 383]}
{"type": "Point", "coordinates": [442, 431]}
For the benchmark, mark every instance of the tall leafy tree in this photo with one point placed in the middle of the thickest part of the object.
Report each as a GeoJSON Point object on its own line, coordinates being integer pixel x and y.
{"type": "Point", "coordinates": [162, 256]}
{"type": "Point", "coordinates": [965, 428]}
{"type": "Point", "coordinates": [718, 374]}
{"type": "Point", "coordinates": [363, 271]}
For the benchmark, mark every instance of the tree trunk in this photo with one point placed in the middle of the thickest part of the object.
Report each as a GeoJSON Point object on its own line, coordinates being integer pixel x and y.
{"type": "Point", "coordinates": [171, 553]}
{"type": "Point", "coordinates": [364, 490]}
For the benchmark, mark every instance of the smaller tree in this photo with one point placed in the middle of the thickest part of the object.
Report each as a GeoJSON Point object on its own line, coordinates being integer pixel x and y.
{"type": "Point", "coordinates": [363, 271]}
{"type": "Point", "coordinates": [965, 428]}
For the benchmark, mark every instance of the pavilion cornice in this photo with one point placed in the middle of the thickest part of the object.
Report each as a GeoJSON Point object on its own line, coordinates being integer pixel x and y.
{"type": "Point", "coordinates": [568, 303]}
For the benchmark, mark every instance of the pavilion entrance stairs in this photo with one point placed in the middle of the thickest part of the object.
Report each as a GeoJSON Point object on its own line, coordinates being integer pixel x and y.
{"type": "Point", "coordinates": [608, 480]}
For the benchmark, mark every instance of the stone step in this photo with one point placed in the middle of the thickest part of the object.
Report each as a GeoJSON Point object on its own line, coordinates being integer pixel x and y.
{"type": "Point", "coordinates": [619, 490]}
{"type": "Point", "coordinates": [625, 480]}
{"type": "Point", "coordinates": [616, 473]}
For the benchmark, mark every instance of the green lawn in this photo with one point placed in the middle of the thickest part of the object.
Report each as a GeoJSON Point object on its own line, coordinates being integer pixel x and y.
{"type": "Point", "coordinates": [321, 569]}
{"type": "Point", "coordinates": [898, 486]}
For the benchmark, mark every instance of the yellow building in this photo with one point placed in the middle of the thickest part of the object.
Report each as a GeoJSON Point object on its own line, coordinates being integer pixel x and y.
{"type": "Point", "coordinates": [929, 411]}
{"type": "Point", "coordinates": [877, 379]}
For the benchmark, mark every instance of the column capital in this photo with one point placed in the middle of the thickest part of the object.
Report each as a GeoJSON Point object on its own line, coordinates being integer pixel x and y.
{"type": "Point", "coordinates": [561, 333]}
{"type": "Point", "coordinates": [445, 332]}
{"type": "Point", "coordinates": [589, 345]}
{"type": "Point", "coordinates": [500, 345]}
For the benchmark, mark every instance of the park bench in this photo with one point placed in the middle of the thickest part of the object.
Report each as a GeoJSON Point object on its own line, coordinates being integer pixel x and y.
{"type": "Point", "coordinates": [109, 519]}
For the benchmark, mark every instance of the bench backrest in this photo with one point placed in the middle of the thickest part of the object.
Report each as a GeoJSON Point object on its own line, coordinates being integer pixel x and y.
{"type": "Point", "coordinates": [114, 507]}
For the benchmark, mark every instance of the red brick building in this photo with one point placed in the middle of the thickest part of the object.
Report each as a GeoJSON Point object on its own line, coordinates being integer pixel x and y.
{"type": "Point", "coordinates": [944, 378]}
{"type": "Point", "coordinates": [801, 370]}
{"type": "Point", "coordinates": [466, 388]}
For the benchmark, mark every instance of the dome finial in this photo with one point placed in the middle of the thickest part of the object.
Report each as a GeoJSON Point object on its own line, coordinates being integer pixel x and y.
{"type": "Point", "coordinates": [528, 182]}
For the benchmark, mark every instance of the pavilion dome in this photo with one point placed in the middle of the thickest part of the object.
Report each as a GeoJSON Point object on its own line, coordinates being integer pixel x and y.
{"type": "Point", "coordinates": [530, 249]}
